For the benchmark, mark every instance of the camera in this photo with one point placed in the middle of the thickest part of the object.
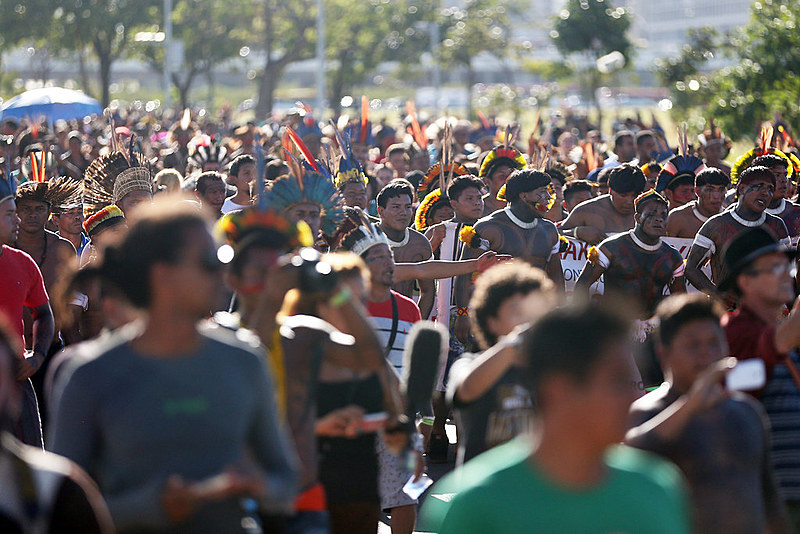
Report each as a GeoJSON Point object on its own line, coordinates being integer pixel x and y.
{"type": "Point", "coordinates": [314, 275]}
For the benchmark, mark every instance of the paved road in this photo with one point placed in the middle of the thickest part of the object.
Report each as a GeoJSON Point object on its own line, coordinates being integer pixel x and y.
{"type": "Point", "coordinates": [435, 471]}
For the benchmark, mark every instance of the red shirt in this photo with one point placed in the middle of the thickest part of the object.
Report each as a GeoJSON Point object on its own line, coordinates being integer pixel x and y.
{"type": "Point", "coordinates": [21, 284]}
{"type": "Point", "coordinates": [381, 316]}
{"type": "Point", "coordinates": [750, 337]}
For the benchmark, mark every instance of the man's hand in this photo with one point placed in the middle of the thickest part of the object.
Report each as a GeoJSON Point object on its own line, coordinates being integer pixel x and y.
{"type": "Point", "coordinates": [341, 423]}
{"type": "Point", "coordinates": [27, 367]}
{"type": "Point", "coordinates": [181, 499]}
{"type": "Point", "coordinates": [436, 234]}
{"type": "Point", "coordinates": [490, 259]}
{"type": "Point", "coordinates": [707, 389]}
{"type": "Point", "coordinates": [461, 328]}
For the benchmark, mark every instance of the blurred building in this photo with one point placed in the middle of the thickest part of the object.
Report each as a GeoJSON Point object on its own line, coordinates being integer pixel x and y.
{"type": "Point", "coordinates": [660, 27]}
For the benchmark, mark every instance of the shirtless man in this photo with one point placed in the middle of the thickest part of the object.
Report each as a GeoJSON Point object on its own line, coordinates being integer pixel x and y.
{"type": "Point", "coordinates": [719, 439]}
{"type": "Point", "coordinates": [408, 245]}
{"type": "Point", "coordinates": [55, 257]}
{"type": "Point", "coordinates": [755, 188]}
{"type": "Point", "coordinates": [780, 206]}
{"type": "Point", "coordinates": [518, 230]}
{"type": "Point", "coordinates": [638, 263]}
{"type": "Point", "coordinates": [497, 166]}
{"type": "Point", "coordinates": [714, 150]}
{"type": "Point", "coordinates": [710, 186]}
{"type": "Point", "coordinates": [610, 214]}
{"type": "Point", "coordinates": [54, 254]}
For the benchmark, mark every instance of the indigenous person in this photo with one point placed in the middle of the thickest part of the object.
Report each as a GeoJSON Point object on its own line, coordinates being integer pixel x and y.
{"type": "Point", "coordinates": [676, 180]}
{"type": "Point", "coordinates": [609, 214]}
{"type": "Point", "coordinates": [242, 175]}
{"type": "Point", "coordinates": [210, 192]}
{"type": "Point", "coordinates": [576, 192]}
{"type": "Point", "coordinates": [69, 220]}
{"type": "Point", "coordinates": [349, 177]}
{"type": "Point", "coordinates": [781, 205]}
{"type": "Point", "coordinates": [495, 169]}
{"type": "Point", "coordinates": [42, 492]}
{"type": "Point", "coordinates": [302, 344]}
{"type": "Point", "coordinates": [309, 197]}
{"type": "Point", "coordinates": [646, 147]}
{"type": "Point", "coordinates": [710, 186]}
{"type": "Point", "coordinates": [754, 189]}
{"type": "Point", "coordinates": [21, 286]}
{"type": "Point", "coordinates": [143, 410]}
{"type": "Point", "coordinates": [168, 180]}
{"type": "Point", "coordinates": [464, 197]}
{"type": "Point", "coordinates": [117, 178]}
{"type": "Point", "coordinates": [575, 467]}
{"type": "Point", "coordinates": [408, 245]}
{"type": "Point", "coordinates": [488, 390]}
{"type": "Point", "coordinates": [719, 439]}
{"type": "Point", "coordinates": [714, 147]}
{"type": "Point", "coordinates": [393, 314]}
{"type": "Point", "coordinates": [518, 230]}
{"type": "Point", "coordinates": [55, 257]}
{"type": "Point", "coordinates": [758, 271]}
{"type": "Point", "coordinates": [637, 264]}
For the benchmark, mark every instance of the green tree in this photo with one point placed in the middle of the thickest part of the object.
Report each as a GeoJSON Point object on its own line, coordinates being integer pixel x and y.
{"type": "Point", "coordinates": [686, 74]}
{"type": "Point", "coordinates": [286, 34]}
{"type": "Point", "coordinates": [103, 26]}
{"type": "Point", "coordinates": [211, 32]}
{"type": "Point", "coordinates": [592, 29]}
{"type": "Point", "coordinates": [360, 35]}
{"type": "Point", "coordinates": [18, 20]}
{"type": "Point", "coordinates": [477, 26]}
{"type": "Point", "coordinates": [766, 78]}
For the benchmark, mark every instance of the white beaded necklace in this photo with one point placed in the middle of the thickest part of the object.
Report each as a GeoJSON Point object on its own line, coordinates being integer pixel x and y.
{"type": "Point", "coordinates": [398, 244]}
{"type": "Point", "coordinates": [777, 210]}
{"type": "Point", "coordinates": [744, 222]}
{"type": "Point", "coordinates": [644, 246]}
{"type": "Point", "coordinates": [697, 214]}
{"type": "Point", "coordinates": [518, 222]}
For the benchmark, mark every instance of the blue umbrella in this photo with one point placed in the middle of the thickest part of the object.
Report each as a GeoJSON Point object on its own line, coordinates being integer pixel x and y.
{"type": "Point", "coordinates": [53, 103]}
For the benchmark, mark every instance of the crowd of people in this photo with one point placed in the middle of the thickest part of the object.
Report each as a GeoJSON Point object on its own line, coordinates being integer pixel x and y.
{"type": "Point", "coordinates": [209, 327]}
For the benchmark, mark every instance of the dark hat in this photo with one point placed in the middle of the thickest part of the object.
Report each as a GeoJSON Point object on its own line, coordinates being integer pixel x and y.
{"type": "Point", "coordinates": [745, 248]}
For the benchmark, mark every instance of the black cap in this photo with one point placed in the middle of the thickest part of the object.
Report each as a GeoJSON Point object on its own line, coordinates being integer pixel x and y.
{"type": "Point", "coordinates": [745, 248]}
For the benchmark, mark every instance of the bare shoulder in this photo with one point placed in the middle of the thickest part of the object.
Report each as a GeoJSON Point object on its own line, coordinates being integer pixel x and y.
{"type": "Point", "coordinates": [594, 205]}
{"type": "Point", "coordinates": [681, 211]}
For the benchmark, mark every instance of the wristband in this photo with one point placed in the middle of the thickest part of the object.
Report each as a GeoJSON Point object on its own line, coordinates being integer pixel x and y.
{"type": "Point", "coordinates": [427, 421]}
{"type": "Point", "coordinates": [462, 311]}
{"type": "Point", "coordinates": [340, 298]}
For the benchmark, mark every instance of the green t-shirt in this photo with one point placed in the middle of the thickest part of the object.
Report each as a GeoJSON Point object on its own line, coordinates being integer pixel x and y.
{"type": "Point", "coordinates": [640, 493]}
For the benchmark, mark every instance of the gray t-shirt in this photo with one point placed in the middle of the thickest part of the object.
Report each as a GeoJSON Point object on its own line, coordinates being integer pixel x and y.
{"type": "Point", "coordinates": [499, 415]}
{"type": "Point", "coordinates": [131, 421]}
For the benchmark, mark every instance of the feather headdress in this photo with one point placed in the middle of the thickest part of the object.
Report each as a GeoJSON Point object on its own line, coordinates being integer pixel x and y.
{"type": "Point", "coordinates": [683, 165]}
{"type": "Point", "coordinates": [345, 166]}
{"type": "Point", "coordinates": [307, 187]}
{"type": "Point", "coordinates": [432, 202]}
{"type": "Point", "coordinates": [360, 130]}
{"type": "Point", "coordinates": [206, 150]}
{"type": "Point", "coordinates": [504, 154]}
{"type": "Point", "coordinates": [364, 236]}
{"type": "Point", "coordinates": [112, 176]}
{"type": "Point", "coordinates": [764, 147]}
{"type": "Point", "coordinates": [267, 227]}
{"type": "Point", "coordinates": [60, 193]}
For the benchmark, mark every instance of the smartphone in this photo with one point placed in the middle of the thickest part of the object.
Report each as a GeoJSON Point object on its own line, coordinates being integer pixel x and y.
{"type": "Point", "coordinates": [747, 375]}
{"type": "Point", "coordinates": [372, 422]}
